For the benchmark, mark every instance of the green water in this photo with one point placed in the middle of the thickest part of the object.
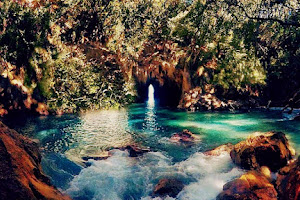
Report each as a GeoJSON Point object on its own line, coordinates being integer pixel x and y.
{"type": "Point", "coordinates": [66, 139]}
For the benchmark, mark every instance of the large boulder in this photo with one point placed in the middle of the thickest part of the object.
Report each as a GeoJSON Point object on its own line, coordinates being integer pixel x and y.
{"type": "Point", "coordinates": [21, 176]}
{"type": "Point", "coordinates": [263, 149]}
{"type": "Point", "coordinates": [220, 149]}
{"type": "Point", "coordinates": [168, 187]}
{"type": "Point", "coordinates": [253, 185]}
{"type": "Point", "coordinates": [288, 181]}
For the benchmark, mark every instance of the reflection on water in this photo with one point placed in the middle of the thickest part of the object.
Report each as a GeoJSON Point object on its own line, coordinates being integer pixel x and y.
{"type": "Point", "coordinates": [99, 132]}
{"type": "Point", "coordinates": [67, 138]}
{"type": "Point", "coordinates": [150, 117]}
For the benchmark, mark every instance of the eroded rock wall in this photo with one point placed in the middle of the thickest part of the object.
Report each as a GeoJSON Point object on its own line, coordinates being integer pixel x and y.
{"type": "Point", "coordinates": [21, 176]}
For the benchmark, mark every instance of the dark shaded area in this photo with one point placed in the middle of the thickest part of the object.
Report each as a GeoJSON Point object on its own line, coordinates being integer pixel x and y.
{"type": "Point", "coordinates": [288, 181]}
{"type": "Point", "coordinates": [61, 169]}
{"type": "Point", "coordinates": [168, 94]}
{"type": "Point", "coordinates": [29, 125]}
{"type": "Point", "coordinates": [10, 186]}
{"type": "Point", "coordinates": [170, 187]}
{"type": "Point", "coordinates": [11, 96]}
{"type": "Point", "coordinates": [20, 171]}
{"type": "Point", "coordinates": [280, 90]}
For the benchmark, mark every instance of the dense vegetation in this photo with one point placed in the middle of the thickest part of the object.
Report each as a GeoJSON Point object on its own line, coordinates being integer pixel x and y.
{"type": "Point", "coordinates": [88, 54]}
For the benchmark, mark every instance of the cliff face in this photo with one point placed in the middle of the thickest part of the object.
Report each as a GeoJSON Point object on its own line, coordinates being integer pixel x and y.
{"type": "Point", "coordinates": [21, 176]}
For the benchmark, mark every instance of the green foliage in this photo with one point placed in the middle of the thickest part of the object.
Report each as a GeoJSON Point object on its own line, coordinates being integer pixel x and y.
{"type": "Point", "coordinates": [85, 20]}
{"type": "Point", "coordinates": [37, 40]}
{"type": "Point", "coordinates": [22, 30]}
{"type": "Point", "coordinates": [230, 44]}
{"type": "Point", "coordinates": [222, 50]}
{"type": "Point", "coordinates": [71, 83]}
{"type": "Point", "coordinates": [249, 42]}
{"type": "Point", "coordinates": [132, 23]}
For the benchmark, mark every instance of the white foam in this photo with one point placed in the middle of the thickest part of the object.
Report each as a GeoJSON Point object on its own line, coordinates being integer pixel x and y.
{"type": "Point", "coordinates": [208, 187]}
{"type": "Point", "coordinates": [119, 176]}
{"type": "Point", "coordinates": [211, 173]}
{"type": "Point", "coordinates": [122, 177]}
{"type": "Point", "coordinates": [199, 164]}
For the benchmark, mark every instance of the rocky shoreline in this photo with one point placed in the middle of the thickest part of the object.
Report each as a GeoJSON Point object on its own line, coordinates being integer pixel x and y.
{"type": "Point", "coordinates": [272, 172]}
{"type": "Point", "coordinates": [21, 176]}
{"type": "Point", "coordinates": [199, 99]}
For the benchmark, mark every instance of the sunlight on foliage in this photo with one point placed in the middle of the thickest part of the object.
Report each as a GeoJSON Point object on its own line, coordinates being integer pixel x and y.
{"type": "Point", "coordinates": [88, 54]}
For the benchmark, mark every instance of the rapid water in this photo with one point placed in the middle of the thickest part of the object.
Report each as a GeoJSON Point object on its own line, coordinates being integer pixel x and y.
{"type": "Point", "coordinates": [67, 139]}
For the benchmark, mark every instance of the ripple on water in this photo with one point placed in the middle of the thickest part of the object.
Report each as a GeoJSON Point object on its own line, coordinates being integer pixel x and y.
{"type": "Point", "coordinates": [98, 132]}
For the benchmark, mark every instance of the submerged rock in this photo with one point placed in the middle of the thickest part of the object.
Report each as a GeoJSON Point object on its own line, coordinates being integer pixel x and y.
{"type": "Point", "coordinates": [288, 181]}
{"type": "Point", "coordinates": [168, 187]}
{"type": "Point", "coordinates": [134, 150]}
{"type": "Point", "coordinates": [297, 118]}
{"type": "Point", "coordinates": [86, 158]}
{"type": "Point", "coordinates": [185, 136]}
{"type": "Point", "coordinates": [220, 149]}
{"type": "Point", "coordinates": [102, 156]}
{"type": "Point", "coordinates": [263, 149]}
{"type": "Point", "coordinates": [21, 176]}
{"type": "Point", "coordinates": [253, 185]}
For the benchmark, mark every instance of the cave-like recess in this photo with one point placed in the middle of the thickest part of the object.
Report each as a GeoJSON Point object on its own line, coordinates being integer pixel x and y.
{"type": "Point", "coordinates": [166, 94]}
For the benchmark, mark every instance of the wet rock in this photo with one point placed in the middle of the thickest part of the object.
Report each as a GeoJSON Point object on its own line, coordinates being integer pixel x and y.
{"type": "Point", "coordinates": [288, 181]}
{"type": "Point", "coordinates": [297, 118]}
{"type": "Point", "coordinates": [59, 112]}
{"type": "Point", "coordinates": [134, 150]}
{"type": "Point", "coordinates": [211, 102]}
{"type": "Point", "coordinates": [185, 136]}
{"type": "Point", "coordinates": [86, 159]}
{"type": "Point", "coordinates": [220, 149]}
{"type": "Point", "coordinates": [211, 98]}
{"type": "Point", "coordinates": [3, 112]}
{"type": "Point", "coordinates": [42, 109]}
{"type": "Point", "coordinates": [197, 99]}
{"type": "Point", "coordinates": [253, 185]}
{"type": "Point", "coordinates": [168, 187]}
{"type": "Point", "coordinates": [242, 104]}
{"type": "Point", "coordinates": [96, 157]}
{"type": "Point", "coordinates": [263, 149]}
{"type": "Point", "coordinates": [21, 176]}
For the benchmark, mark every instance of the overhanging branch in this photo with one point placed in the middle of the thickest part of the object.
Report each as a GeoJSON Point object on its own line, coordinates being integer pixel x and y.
{"type": "Point", "coordinates": [284, 23]}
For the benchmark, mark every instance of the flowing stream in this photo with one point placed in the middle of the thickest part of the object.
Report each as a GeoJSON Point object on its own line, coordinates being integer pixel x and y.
{"type": "Point", "coordinates": [67, 139]}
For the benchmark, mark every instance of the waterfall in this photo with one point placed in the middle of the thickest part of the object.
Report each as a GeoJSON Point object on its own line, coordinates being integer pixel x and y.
{"type": "Point", "coordinates": [151, 100]}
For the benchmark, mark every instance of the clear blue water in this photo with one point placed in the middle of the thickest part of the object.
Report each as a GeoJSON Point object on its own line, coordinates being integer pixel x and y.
{"type": "Point", "coordinates": [66, 139]}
